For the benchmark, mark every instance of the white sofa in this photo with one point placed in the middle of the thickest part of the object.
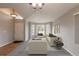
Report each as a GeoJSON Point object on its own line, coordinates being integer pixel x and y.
{"type": "Point", "coordinates": [37, 46]}
{"type": "Point", "coordinates": [52, 39]}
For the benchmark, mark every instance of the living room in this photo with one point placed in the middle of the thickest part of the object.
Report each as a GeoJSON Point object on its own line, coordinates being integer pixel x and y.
{"type": "Point", "coordinates": [40, 28]}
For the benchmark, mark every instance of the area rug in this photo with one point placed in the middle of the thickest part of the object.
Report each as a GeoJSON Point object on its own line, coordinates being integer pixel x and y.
{"type": "Point", "coordinates": [21, 51]}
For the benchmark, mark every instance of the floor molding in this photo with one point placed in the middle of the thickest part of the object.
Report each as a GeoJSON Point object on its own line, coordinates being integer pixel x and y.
{"type": "Point", "coordinates": [70, 52]}
{"type": "Point", "coordinates": [6, 44]}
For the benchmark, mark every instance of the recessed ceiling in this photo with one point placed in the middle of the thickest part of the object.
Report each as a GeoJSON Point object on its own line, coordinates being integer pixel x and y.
{"type": "Point", "coordinates": [53, 10]}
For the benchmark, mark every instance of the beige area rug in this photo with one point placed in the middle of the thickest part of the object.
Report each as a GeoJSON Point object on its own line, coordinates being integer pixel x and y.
{"type": "Point", "coordinates": [52, 51]}
{"type": "Point", "coordinates": [49, 47]}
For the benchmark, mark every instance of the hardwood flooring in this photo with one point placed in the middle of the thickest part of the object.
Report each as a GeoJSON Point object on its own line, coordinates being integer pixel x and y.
{"type": "Point", "coordinates": [5, 50]}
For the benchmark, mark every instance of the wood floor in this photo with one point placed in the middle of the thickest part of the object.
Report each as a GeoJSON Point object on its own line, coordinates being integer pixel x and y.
{"type": "Point", "coordinates": [5, 50]}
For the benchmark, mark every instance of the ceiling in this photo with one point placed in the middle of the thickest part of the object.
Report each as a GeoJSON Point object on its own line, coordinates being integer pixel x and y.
{"type": "Point", "coordinates": [53, 10]}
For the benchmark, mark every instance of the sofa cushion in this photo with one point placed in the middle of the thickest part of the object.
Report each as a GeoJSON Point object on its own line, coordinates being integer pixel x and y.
{"type": "Point", "coordinates": [51, 35]}
{"type": "Point", "coordinates": [58, 43]}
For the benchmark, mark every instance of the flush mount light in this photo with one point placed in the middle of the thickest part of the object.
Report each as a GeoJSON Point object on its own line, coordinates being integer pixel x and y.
{"type": "Point", "coordinates": [37, 5]}
{"type": "Point", "coordinates": [13, 13]}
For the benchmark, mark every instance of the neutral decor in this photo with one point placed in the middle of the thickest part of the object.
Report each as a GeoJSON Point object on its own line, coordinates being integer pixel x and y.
{"type": "Point", "coordinates": [37, 46]}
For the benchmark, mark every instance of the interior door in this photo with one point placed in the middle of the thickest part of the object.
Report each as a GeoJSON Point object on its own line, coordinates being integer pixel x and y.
{"type": "Point", "coordinates": [19, 31]}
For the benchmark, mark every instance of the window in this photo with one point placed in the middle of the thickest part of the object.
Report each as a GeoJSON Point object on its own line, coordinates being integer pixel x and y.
{"type": "Point", "coordinates": [44, 28]}
{"type": "Point", "coordinates": [48, 28]}
{"type": "Point", "coordinates": [40, 28]}
{"type": "Point", "coordinates": [33, 29]}
{"type": "Point", "coordinates": [56, 28]}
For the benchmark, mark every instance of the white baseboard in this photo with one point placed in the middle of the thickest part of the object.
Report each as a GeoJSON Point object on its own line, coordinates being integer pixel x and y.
{"type": "Point", "coordinates": [70, 52]}
{"type": "Point", "coordinates": [6, 43]}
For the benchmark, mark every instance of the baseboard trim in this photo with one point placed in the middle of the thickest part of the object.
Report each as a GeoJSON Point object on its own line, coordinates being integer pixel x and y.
{"type": "Point", "coordinates": [6, 44]}
{"type": "Point", "coordinates": [70, 52]}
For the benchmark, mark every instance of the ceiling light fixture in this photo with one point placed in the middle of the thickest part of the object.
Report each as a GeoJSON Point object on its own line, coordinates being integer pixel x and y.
{"type": "Point", "coordinates": [13, 14]}
{"type": "Point", "coordinates": [37, 5]}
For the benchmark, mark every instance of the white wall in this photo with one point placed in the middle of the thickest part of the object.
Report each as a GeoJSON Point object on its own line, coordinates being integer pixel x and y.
{"type": "Point", "coordinates": [76, 28]}
{"type": "Point", "coordinates": [36, 17]}
{"type": "Point", "coordinates": [67, 31]}
{"type": "Point", "coordinates": [6, 29]}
